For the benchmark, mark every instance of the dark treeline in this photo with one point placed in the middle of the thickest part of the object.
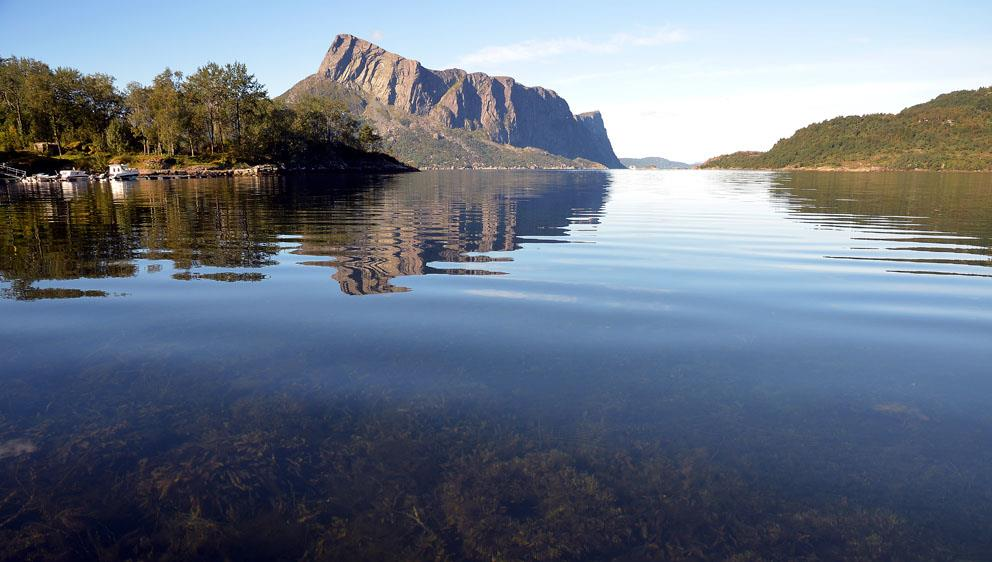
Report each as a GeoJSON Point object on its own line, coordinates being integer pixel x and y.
{"type": "Point", "coordinates": [217, 110]}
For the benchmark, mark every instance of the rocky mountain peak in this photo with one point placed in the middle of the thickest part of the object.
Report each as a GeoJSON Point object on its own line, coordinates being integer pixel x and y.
{"type": "Point", "coordinates": [508, 112]}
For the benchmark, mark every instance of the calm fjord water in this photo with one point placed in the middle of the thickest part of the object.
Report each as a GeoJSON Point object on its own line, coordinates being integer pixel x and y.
{"type": "Point", "coordinates": [527, 365]}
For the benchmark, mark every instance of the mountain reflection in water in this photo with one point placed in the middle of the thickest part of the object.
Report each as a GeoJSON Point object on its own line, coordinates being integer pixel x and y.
{"type": "Point", "coordinates": [617, 366]}
{"type": "Point", "coordinates": [372, 230]}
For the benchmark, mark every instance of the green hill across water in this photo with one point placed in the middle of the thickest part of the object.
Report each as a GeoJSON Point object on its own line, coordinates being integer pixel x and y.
{"type": "Point", "coordinates": [654, 162]}
{"type": "Point", "coordinates": [950, 132]}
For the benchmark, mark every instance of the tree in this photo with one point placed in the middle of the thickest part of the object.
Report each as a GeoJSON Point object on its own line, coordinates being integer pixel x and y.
{"type": "Point", "coordinates": [368, 139]}
{"type": "Point", "coordinates": [98, 105]}
{"type": "Point", "coordinates": [118, 135]}
{"type": "Point", "coordinates": [63, 111]}
{"type": "Point", "coordinates": [272, 137]}
{"type": "Point", "coordinates": [13, 72]}
{"type": "Point", "coordinates": [244, 94]}
{"type": "Point", "coordinates": [38, 99]}
{"type": "Point", "coordinates": [207, 94]}
{"type": "Point", "coordinates": [324, 120]}
{"type": "Point", "coordinates": [139, 113]}
{"type": "Point", "coordinates": [59, 105]}
{"type": "Point", "coordinates": [165, 103]}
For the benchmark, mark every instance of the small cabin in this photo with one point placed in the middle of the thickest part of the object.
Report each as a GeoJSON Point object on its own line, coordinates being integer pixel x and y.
{"type": "Point", "coordinates": [46, 148]}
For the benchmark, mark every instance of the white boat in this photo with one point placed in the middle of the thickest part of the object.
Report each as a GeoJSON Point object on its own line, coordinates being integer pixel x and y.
{"type": "Point", "coordinates": [122, 172]}
{"type": "Point", "coordinates": [73, 175]}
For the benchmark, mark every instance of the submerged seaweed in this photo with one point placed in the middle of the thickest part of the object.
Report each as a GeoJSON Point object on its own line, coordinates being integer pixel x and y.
{"type": "Point", "coordinates": [223, 276]}
{"type": "Point", "coordinates": [363, 476]}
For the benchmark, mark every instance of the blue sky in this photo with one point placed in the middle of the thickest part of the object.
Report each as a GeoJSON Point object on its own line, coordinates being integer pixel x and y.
{"type": "Point", "coordinates": [684, 80]}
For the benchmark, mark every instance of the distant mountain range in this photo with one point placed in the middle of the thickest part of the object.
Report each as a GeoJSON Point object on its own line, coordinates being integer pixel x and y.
{"type": "Point", "coordinates": [452, 118]}
{"type": "Point", "coordinates": [951, 132]}
{"type": "Point", "coordinates": [655, 162]}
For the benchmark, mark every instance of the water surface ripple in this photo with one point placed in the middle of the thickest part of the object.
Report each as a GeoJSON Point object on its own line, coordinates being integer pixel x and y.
{"type": "Point", "coordinates": [625, 365]}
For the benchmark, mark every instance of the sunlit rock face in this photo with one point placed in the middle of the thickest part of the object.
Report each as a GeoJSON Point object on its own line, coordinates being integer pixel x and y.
{"type": "Point", "coordinates": [508, 112]}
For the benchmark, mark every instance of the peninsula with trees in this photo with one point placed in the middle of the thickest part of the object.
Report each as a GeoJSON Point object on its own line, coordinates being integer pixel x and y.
{"type": "Point", "coordinates": [218, 117]}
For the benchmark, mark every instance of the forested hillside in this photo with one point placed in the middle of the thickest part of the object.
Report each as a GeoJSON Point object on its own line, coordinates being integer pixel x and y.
{"type": "Point", "coordinates": [951, 132]}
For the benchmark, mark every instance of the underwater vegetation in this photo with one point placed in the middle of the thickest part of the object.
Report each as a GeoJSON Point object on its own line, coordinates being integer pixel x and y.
{"type": "Point", "coordinates": [33, 293]}
{"type": "Point", "coordinates": [203, 470]}
{"type": "Point", "coordinates": [223, 276]}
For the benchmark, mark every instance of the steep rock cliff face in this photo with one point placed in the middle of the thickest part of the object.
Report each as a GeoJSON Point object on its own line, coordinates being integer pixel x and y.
{"type": "Point", "coordinates": [508, 113]}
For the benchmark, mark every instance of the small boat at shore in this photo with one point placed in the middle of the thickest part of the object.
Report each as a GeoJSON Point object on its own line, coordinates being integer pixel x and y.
{"type": "Point", "coordinates": [73, 175]}
{"type": "Point", "coordinates": [122, 172]}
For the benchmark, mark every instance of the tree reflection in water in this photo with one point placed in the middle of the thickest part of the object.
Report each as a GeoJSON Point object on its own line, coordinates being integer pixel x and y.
{"type": "Point", "coordinates": [374, 229]}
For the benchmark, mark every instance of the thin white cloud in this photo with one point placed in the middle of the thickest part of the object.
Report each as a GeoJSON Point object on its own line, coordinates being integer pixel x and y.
{"type": "Point", "coordinates": [519, 295]}
{"type": "Point", "coordinates": [535, 49]}
{"type": "Point", "coordinates": [376, 35]}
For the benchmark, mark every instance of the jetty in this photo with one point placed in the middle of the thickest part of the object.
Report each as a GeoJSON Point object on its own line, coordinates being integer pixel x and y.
{"type": "Point", "coordinates": [8, 171]}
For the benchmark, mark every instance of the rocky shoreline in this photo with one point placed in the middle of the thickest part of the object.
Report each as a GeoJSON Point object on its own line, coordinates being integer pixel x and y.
{"type": "Point", "coordinates": [269, 170]}
{"type": "Point", "coordinates": [859, 170]}
{"type": "Point", "coordinates": [344, 160]}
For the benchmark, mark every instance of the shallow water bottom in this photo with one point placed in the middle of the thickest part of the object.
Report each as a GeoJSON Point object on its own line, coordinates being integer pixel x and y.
{"type": "Point", "coordinates": [499, 366]}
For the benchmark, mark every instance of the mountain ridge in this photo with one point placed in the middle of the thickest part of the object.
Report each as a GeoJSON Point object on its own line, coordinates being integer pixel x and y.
{"type": "Point", "coordinates": [397, 93]}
